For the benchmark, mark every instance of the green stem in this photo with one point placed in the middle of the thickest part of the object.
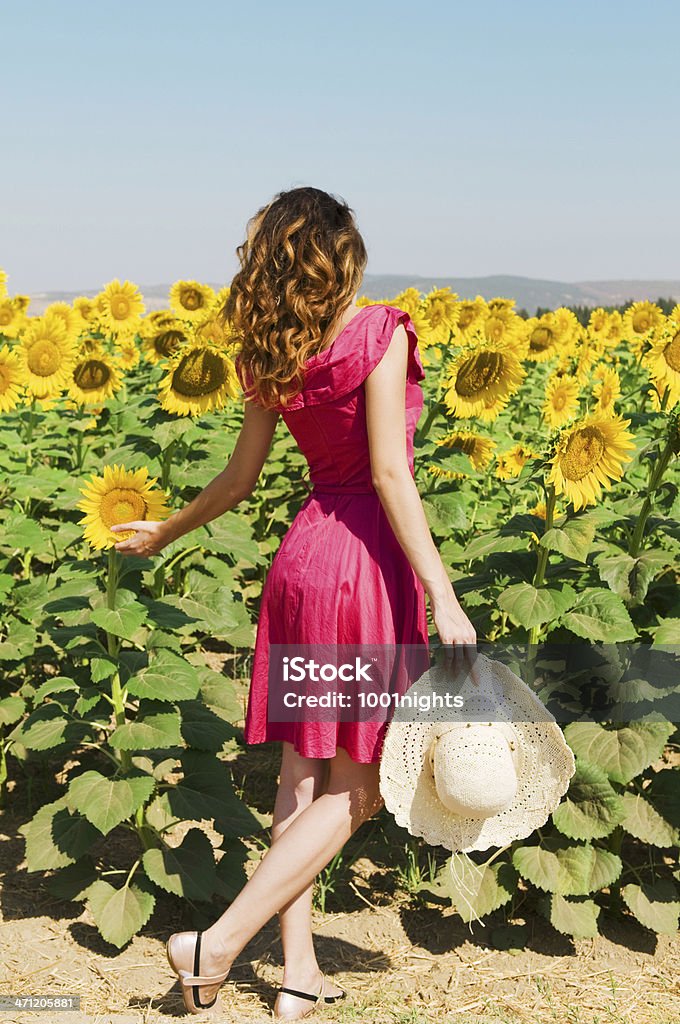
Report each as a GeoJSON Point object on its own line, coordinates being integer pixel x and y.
{"type": "Point", "coordinates": [29, 435]}
{"type": "Point", "coordinates": [543, 553]}
{"type": "Point", "coordinates": [432, 411]}
{"type": "Point", "coordinates": [113, 646]}
{"type": "Point", "coordinates": [654, 480]}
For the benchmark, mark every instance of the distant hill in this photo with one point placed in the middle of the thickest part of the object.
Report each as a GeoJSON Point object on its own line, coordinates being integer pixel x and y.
{"type": "Point", "coordinates": [528, 292]}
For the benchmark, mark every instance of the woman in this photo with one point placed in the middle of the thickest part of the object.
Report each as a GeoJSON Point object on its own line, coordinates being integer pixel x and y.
{"type": "Point", "coordinates": [353, 568]}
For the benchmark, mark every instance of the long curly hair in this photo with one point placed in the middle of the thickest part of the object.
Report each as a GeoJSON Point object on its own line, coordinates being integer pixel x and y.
{"type": "Point", "coordinates": [300, 266]}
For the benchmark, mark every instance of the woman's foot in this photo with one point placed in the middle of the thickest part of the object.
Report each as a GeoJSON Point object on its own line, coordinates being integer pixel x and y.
{"type": "Point", "coordinates": [311, 990]}
{"type": "Point", "coordinates": [199, 967]}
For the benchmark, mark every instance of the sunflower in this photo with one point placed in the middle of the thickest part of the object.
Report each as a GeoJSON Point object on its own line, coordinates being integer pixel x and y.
{"type": "Point", "coordinates": [48, 355]}
{"type": "Point", "coordinates": [614, 330]}
{"type": "Point", "coordinates": [544, 339]}
{"type": "Point", "coordinates": [607, 389]}
{"type": "Point", "coordinates": [22, 302]}
{"type": "Point", "coordinates": [470, 314]}
{"type": "Point", "coordinates": [213, 331]}
{"type": "Point", "coordinates": [441, 312]}
{"type": "Point", "coordinates": [127, 356]}
{"type": "Point", "coordinates": [598, 321]}
{"type": "Point", "coordinates": [481, 381]}
{"type": "Point", "coordinates": [512, 462]}
{"type": "Point", "coordinates": [10, 318]}
{"type": "Point", "coordinates": [561, 399]}
{"type": "Point", "coordinates": [11, 383]}
{"type": "Point", "coordinates": [154, 321]}
{"type": "Point", "coordinates": [539, 509]}
{"type": "Point", "coordinates": [191, 300]}
{"type": "Point", "coordinates": [120, 307]}
{"type": "Point", "coordinates": [501, 307]}
{"type": "Point", "coordinates": [640, 321]}
{"type": "Point", "coordinates": [199, 378]}
{"type": "Point", "coordinates": [588, 456]}
{"type": "Point", "coordinates": [409, 300]}
{"type": "Point", "coordinates": [663, 361]}
{"type": "Point", "coordinates": [478, 449]}
{"type": "Point", "coordinates": [165, 342]}
{"type": "Point", "coordinates": [66, 314]}
{"type": "Point", "coordinates": [85, 311]}
{"type": "Point", "coordinates": [94, 379]}
{"type": "Point", "coordinates": [446, 474]}
{"type": "Point", "coordinates": [119, 496]}
{"type": "Point", "coordinates": [567, 324]}
{"type": "Point", "coordinates": [3, 283]}
{"type": "Point", "coordinates": [221, 298]}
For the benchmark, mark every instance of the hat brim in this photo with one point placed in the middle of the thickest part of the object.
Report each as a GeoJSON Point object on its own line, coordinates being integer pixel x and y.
{"type": "Point", "coordinates": [545, 763]}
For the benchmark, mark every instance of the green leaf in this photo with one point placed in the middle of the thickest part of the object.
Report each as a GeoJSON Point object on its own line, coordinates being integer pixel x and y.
{"type": "Point", "coordinates": [167, 678]}
{"type": "Point", "coordinates": [630, 577]}
{"type": "Point", "coordinates": [106, 802]}
{"type": "Point", "coordinates": [492, 541]}
{"type": "Point", "coordinates": [644, 822]}
{"type": "Point", "coordinates": [655, 906]}
{"type": "Point", "coordinates": [231, 874]}
{"type": "Point", "coordinates": [119, 913]}
{"type": "Point", "coordinates": [102, 668]}
{"type": "Point", "coordinates": [202, 728]}
{"type": "Point", "coordinates": [574, 917]}
{"type": "Point", "coordinates": [668, 632]}
{"type": "Point", "coordinates": [475, 890]}
{"type": "Point", "coordinates": [664, 792]}
{"type": "Point", "coordinates": [149, 731]}
{"type": "Point", "coordinates": [528, 606]}
{"type": "Point", "coordinates": [69, 883]}
{"type": "Point", "coordinates": [206, 791]}
{"type": "Point", "coordinates": [11, 709]}
{"type": "Point", "coordinates": [600, 615]}
{"type": "Point", "coordinates": [55, 837]}
{"type": "Point", "coordinates": [622, 752]}
{"type": "Point", "coordinates": [574, 539]}
{"type": "Point", "coordinates": [55, 684]}
{"type": "Point", "coordinates": [232, 534]}
{"type": "Point", "coordinates": [122, 622]}
{"type": "Point", "coordinates": [46, 727]}
{"type": "Point", "coordinates": [567, 869]}
{"type": "Point", "coordinates": [592, 808]}
{"type": "Point", "coordinates": [187, 870]}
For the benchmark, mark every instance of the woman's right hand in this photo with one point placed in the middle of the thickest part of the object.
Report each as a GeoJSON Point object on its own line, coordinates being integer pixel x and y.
{"type": "Point", "coordinates": [456, 632]}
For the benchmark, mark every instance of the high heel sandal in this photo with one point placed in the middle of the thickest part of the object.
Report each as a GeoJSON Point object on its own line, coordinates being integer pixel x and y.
{"type": "Point", "coordinates": [191, 982]}
{"type": "Point", "coordinates": [317, 999]}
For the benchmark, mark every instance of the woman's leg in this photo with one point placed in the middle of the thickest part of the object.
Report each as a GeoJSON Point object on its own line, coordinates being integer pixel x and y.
{"type": "Point", "coordinates": [309, 842]}
{"type": "Point", "coordinates": [302, 780]}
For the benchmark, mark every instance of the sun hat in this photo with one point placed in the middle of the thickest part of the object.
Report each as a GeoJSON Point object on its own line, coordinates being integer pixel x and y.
{"type": "Point", "coordinates": [481, 776]}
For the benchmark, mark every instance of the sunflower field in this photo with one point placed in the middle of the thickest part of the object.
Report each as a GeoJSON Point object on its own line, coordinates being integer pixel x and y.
{"type": "Point", "coordinates": [546, 457]}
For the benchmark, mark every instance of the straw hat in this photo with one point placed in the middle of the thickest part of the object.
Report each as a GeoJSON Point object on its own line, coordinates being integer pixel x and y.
{"type": "Point", "coordinates": [477, 777]}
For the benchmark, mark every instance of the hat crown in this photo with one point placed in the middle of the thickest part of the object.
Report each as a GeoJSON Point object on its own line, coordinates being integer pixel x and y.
{"type": "Point", "coordinates": [475, 770]}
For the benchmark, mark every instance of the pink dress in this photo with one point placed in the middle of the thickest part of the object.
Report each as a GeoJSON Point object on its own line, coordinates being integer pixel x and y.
{"type": "Point", "coordinates": [340, 575]}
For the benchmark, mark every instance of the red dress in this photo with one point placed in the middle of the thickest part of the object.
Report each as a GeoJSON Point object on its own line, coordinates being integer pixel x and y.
{"type": "Point", "coordinates": [340, 575]}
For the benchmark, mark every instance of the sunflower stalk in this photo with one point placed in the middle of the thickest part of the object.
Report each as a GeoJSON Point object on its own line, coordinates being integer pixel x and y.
{"type": "Point", "coordinates": [543, 553]}
{"type": "Point", "coordinates": [113, 647]}
{"type": "Point", "coordinates": [655, 476]}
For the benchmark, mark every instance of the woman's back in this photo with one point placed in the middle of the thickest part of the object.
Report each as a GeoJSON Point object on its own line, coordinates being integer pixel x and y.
{"type": "Point", "coordinates": [328, 417]}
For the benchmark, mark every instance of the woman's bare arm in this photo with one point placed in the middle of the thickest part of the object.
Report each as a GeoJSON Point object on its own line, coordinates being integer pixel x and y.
{"type": "Point", "coordinates": [236, 481]}
{"type": "Point", "coordinates": [386, 424]}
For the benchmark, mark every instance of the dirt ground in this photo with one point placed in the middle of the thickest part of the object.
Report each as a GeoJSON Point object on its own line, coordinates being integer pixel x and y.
{"type": "Point", "coordinates": [402, 960]}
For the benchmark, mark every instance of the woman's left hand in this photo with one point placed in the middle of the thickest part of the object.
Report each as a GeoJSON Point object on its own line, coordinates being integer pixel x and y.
{"type": "Point", "coordinates": [149, 539]}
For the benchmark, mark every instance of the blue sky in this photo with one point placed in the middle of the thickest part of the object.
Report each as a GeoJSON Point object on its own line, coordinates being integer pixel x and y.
{"type": "Point", "coordinates": [533, 138]}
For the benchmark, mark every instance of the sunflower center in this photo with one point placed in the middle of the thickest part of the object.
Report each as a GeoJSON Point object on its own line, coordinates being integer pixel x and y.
{"type": "Point", "coordinates": [642, 321]}
{"type": "Point", "coordinates": [91, 375]}
{"type": "Point", "coordinates": [672, 352]}
{"type": "Point", "coordinates": [168, 342]}
{"type": "Point", "coordinates": [541, 339]}
{"type": "Point", "coordinates": [121, 505]}
{"type": "Point", "coordinates": [198, 373]}
{"type": "Point", "coordinates": [478, 373]}
{"type": "Point", "coordinates": [120, 307]}
{"type": "Point", "coordinates": [466, 316]}
{"type": "Point", "coordinates": [584, 451]}
{"type": "Point", "coordinates": [6, 316]}
{"type": "Point", "coordinates": [191, 298]}
{"type": "Point", "coordinates": [559, 400]}
{"type": "Point", "coordinates": [44, 358]}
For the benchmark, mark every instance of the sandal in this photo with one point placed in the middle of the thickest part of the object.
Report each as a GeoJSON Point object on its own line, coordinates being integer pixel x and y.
{"type": "Point", "coordinates": [191, 982]}
{"type": "Point", "coordinates": [320, 997]}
